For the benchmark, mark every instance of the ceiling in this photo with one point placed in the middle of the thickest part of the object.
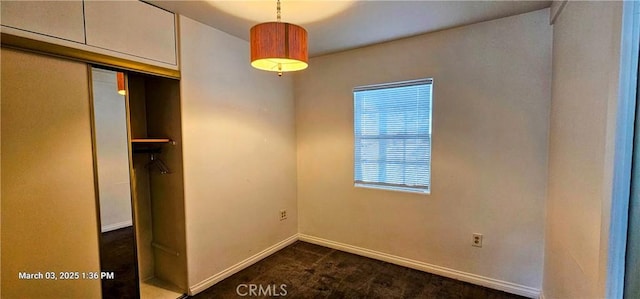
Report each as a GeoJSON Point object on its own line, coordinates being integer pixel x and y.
{"type": "Point", "coordinates": [337, 25]}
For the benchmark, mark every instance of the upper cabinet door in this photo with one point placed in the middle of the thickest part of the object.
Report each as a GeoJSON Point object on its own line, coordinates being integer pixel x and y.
{"type": "Point", "coordinates": [61, 19]}
{"type": "Point", "coordinates": [131, 27]}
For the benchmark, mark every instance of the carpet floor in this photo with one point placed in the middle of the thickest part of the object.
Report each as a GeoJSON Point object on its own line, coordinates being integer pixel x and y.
{"type": "Point", "coordinates": [304, 270]}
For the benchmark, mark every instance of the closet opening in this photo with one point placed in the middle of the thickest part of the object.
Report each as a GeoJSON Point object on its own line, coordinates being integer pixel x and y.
{"type": "Point", "coordinates": [138, 162]}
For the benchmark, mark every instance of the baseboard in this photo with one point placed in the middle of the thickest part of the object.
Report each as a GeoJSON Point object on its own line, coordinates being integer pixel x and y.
{"type": "Point", "coordinates": [203, 285]}
{"type": "Point", "coordinates": [438, 270]}
{"type": "Point", "coordinates": [119, 225]}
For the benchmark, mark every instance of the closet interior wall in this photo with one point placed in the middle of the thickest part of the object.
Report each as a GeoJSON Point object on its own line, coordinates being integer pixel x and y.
{"type": "Point", "coordinates": [154, 105]}
{"type": "Point", "coordinates": [141, 190]}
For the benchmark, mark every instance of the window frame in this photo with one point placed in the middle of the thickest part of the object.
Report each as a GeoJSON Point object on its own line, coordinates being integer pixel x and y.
{"type": "Point", "coordinates": [384, 185]}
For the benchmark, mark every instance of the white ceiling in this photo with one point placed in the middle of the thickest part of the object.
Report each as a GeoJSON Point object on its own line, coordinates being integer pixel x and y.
{"type": "Point", "coordinates": [340, 25]}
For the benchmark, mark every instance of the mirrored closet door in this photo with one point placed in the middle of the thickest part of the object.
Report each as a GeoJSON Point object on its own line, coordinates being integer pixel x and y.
{"type": "Point", "coordinates": [117, 234]}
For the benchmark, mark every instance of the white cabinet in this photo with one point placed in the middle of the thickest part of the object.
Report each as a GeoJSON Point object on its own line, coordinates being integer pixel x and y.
{"type": "Point", "coordinates": [131, 27]}
{"type": "Point", "coordinates": [60, 19]}
{"type": "Point", "coordinates": [131, 30]}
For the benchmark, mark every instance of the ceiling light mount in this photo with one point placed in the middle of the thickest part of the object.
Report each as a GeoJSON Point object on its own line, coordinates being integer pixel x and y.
{"type": "Point", "coordinates": [278, 46]}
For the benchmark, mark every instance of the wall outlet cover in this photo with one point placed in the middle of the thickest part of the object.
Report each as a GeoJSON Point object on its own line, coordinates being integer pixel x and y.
{"type": "Point", "coordinates": [477, 240]}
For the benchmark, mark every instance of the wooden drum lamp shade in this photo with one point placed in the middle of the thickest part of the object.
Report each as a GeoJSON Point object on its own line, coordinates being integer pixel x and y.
{"type": "Point", "coordinates": [279, 47]}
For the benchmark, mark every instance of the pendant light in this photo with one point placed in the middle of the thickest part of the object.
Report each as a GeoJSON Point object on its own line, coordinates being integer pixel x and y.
{"type": "Point", "coordinates": [120, 79]}
{"type": "Point", "coordinates": [279, 47]}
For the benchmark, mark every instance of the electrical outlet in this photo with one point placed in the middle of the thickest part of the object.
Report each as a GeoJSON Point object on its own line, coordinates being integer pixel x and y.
{"type": "Point", "coordinates": [283, 215]}
{"type": "Point", "coordinates": [477, 240]}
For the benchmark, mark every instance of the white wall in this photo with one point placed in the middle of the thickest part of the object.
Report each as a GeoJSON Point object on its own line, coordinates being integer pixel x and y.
{"type": "Point", "coordinates": [112, 153]}
{"type": "Point", "coordinates": [491, 99]}
{"type": "Point", "coordinates": [586, 45]}
{"type": "Point", "coordinates": [239, 152]}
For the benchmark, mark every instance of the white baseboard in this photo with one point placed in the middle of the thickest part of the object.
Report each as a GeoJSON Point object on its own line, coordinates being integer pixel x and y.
{"type": "Point", "coordinates": [119, 225]}
{"type": "Point", "coordinates": [203, 285]}
{"type": "Point", "coordinates": [442, 271]}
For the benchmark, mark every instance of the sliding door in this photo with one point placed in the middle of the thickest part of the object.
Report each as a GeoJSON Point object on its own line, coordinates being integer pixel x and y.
{"type": "Point", "coordinates": [49, 221]}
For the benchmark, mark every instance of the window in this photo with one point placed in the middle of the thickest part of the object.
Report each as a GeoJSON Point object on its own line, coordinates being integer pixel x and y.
{"type": "Point", "coordinates": [392, 130]}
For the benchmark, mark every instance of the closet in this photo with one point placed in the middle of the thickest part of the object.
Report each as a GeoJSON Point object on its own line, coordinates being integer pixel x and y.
{"type": "Point", "coordinates": [157, 179]}
{"type": "Point", "coordinates": [138, 162]}
{"type": "Point", "coordinates": [54, 164]}
{"type": "Point", "coordinates": [51, 190]}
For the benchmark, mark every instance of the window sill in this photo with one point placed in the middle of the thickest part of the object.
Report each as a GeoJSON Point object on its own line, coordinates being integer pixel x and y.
{"type": "Point", "coordinates": [396, 189]}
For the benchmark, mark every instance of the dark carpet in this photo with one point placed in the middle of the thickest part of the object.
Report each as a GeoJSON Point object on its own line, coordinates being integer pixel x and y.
{"type": "Point", "coordinates": [304, 270]}
{"type": "Point", "coordinates": [117, 255]}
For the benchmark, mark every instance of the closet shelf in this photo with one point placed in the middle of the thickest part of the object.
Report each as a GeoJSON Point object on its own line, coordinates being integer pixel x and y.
{"type": "Point", "coordinates": [150, 140]}
{"type": "Point", "coordinates": [149, 145]}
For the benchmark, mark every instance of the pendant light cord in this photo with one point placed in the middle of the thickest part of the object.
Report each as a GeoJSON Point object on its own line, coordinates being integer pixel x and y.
{"type": "Point", "coordinates": [278, 15]}
{"type": "Point", "coordinates": [278, 11]}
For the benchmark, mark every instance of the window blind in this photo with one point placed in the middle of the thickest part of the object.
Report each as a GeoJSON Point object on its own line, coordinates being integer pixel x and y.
{"type": "Point", "coordinates": [392, 130]}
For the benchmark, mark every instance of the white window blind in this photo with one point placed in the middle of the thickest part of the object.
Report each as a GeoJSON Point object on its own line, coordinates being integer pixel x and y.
{"type": "Point", "coordinates": [392, 126]}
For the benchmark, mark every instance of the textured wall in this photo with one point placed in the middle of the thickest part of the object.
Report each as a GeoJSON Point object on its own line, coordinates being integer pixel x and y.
{"type": "Point", "coordinates": [239, 152]}
{"type": "Point", "coordinates": [491, 97]}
